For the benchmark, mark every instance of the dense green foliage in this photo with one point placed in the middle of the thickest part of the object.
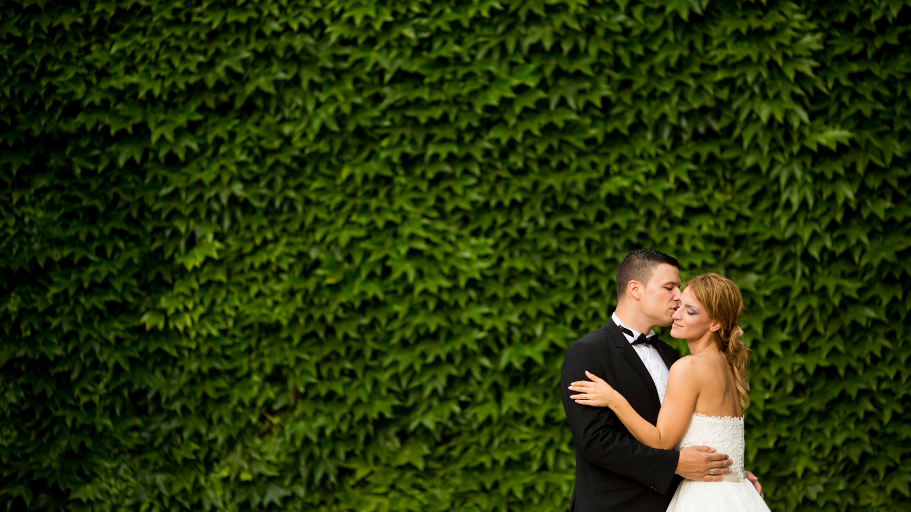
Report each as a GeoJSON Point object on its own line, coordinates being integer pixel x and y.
{"type": "Point", "coordinates": [328, 255]}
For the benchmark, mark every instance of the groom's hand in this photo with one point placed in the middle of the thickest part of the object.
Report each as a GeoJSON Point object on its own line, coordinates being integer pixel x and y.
{"type": "Point", "coordinates": [755, 481]}
{"type": "Point", "coordinates": [703, 464]}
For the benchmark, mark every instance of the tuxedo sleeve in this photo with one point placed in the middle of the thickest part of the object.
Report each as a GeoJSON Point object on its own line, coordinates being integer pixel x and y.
{"type": "Point", "coordinates": [596, 439]}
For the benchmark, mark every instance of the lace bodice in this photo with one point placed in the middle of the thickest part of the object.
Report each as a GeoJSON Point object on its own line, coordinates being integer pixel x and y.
{"type": "Point", "coordinates": [723, 433]}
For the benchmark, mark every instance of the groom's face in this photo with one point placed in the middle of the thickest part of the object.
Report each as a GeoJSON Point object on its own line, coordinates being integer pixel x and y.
{"type": "Point", "coordinates": [661, 295]}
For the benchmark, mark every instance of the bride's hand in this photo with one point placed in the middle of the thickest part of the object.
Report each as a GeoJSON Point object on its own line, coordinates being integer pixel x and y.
{"type": "Point", "coordinates": [596, 393]}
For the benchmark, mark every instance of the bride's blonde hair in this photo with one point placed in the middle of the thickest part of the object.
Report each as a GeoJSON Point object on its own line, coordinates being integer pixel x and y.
{"type": "Point", "coordinates": [723, 303]}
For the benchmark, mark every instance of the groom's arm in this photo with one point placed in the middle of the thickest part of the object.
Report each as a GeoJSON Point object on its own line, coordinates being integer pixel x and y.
{"type": "Point", "coordinates": [598, 443]}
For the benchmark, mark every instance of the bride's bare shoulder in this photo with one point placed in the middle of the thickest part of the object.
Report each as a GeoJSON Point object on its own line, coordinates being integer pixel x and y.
{"type": "Point", "coordinates": [685, 365]}
{"type": "Point", "coordinates": [687, 362]}
{"type": "Point", "coordinates": [689, 367]}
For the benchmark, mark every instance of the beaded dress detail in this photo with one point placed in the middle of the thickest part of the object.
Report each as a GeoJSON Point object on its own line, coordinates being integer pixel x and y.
{"type": "Point", "coordinates": [723, 433]}
{"type": "Point", "coordinates": [735, 493]}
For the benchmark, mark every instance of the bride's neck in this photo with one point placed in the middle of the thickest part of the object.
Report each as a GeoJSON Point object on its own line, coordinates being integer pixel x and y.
{"type": "Point", "coordinates": [704, 343]}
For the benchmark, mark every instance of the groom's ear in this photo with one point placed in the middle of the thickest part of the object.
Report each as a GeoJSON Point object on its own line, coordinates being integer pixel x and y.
{"type": "Point", "coordinates": [634, 289]}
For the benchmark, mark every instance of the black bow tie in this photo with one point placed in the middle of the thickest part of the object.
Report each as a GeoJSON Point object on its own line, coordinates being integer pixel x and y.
{"type": "Point", "coordinates": [642, 339]}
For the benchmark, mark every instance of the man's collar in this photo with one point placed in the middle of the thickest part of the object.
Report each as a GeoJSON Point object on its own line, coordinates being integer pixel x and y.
{"type": "Point", "coordinates": [636, 333]}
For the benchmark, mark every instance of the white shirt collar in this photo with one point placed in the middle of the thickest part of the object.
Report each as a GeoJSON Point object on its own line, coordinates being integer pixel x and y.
{"type": "Point", "coordinates": [636, 333]}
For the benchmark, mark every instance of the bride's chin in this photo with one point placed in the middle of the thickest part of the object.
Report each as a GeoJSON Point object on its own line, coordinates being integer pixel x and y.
{"type": "Point", "coordinates": [675, 333]}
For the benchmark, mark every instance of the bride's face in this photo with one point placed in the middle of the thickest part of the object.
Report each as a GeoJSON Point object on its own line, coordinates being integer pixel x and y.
{"type": "Point", "coordinates": [691, 322]}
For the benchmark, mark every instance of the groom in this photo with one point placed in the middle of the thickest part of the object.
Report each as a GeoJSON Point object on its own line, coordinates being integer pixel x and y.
{"type": "Point", "coordinates": [614, 471]}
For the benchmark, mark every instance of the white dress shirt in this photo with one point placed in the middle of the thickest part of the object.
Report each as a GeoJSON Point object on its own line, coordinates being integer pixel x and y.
{"type": "Point", "coordinates": [650, 358]}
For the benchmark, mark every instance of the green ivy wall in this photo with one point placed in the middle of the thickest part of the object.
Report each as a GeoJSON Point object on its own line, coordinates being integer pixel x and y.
{"type": "Point", "coordinates": [328, 255]}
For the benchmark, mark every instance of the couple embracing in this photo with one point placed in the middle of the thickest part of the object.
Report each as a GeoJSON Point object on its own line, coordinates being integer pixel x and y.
{"type": "Point", "coordinates": [653, 431]}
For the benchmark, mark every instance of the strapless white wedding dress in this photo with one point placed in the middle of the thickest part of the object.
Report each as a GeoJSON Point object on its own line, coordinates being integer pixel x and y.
{"type": "Point", "coordinates": [735, 492]}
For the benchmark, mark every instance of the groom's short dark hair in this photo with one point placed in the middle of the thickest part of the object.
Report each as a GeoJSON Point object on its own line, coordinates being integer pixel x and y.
{"type": "Point", "coordinates": [638, 265]}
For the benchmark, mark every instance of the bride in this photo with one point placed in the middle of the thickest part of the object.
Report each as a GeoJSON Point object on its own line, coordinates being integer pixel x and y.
{"type": "Point", "coordinates": [706, 394]}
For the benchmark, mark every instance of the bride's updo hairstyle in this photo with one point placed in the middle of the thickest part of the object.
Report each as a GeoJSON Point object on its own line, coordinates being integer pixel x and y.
{"type": "Point", "coordinates": [723, 303]}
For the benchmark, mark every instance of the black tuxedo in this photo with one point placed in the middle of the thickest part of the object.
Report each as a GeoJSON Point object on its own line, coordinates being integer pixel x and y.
{"type": "Point", "coordinates": [614, 472]}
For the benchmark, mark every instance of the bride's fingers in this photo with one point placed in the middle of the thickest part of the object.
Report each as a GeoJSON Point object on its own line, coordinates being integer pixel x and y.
{"type": "Point", "coordinates": [593, 377]}
{"type": "Point", "coordinates": [584, 396]}
{"type": "Point", "coordinates": [581, 401]}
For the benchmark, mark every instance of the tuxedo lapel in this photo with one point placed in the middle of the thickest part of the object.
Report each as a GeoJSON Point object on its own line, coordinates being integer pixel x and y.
{"type": "Point", "coordinates": [629, 353]}
{"type": "Point", "coordinates": [667, 354]}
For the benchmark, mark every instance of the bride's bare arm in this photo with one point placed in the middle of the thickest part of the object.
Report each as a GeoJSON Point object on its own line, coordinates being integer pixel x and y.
{"type": "Point", "coordinates": [676, 411]}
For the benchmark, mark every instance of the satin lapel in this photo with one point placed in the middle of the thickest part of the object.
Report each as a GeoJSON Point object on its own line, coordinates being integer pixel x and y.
{"type": "Point", "coordinates": [634, 360]}
{"type": "Point", "coordinates": [666, 354]}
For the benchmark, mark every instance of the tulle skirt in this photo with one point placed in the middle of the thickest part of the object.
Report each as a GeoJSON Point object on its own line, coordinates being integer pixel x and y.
{"type": "Point", "coordinates": [694, 496]}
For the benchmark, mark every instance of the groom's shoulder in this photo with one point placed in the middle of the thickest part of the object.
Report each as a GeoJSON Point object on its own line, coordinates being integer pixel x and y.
{"type": "Point", "coordinates": [590, 340]}
{"type": "Point", "coordinates": [597, 335]}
